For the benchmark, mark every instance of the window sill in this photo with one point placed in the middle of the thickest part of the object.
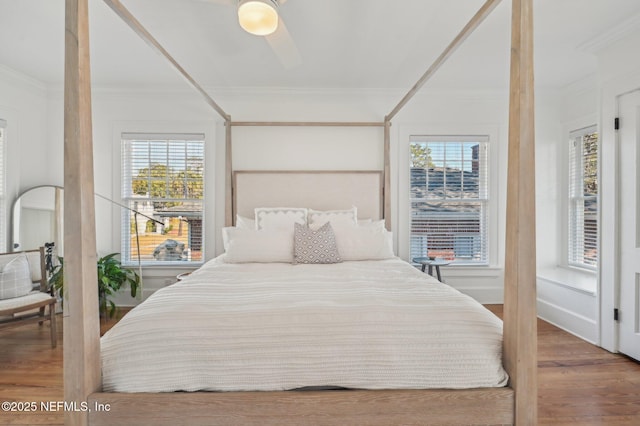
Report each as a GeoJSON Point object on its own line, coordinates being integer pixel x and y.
{"type": "Point", "coordinates": [165, 265]}
{"type": "Point", "coordinates": [583, 281]}
{"type": "Point", "coordinates": [465, 271]}
{"type": "Point", "coordinates": [164, 271]}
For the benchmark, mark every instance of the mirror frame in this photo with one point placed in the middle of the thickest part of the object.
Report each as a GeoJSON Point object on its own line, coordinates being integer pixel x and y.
{"type": "Point", "coordinates": [12, 244]}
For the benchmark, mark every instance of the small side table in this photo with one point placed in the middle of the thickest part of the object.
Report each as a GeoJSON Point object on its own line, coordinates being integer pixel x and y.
{"type": "Point", "coordinates": [431, 263]}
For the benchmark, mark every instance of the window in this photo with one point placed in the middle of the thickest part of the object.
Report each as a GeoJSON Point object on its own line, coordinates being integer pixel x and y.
{"type": "Point", "coordinates": [449, 198]}
{"type": "Point", "coordinates": [583, 198]}
{"type": "Point", "coordinates": [163, 180]}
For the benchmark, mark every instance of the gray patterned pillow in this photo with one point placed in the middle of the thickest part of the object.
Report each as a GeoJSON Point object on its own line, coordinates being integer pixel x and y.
{"type": "Point", "coordinates": [318, 246]}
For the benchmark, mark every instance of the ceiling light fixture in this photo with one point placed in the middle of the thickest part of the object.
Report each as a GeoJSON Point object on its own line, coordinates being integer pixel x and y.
{"type": "Point", "coordinates": [259, 17]}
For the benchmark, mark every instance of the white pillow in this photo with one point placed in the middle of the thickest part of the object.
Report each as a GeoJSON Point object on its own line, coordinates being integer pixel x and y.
{"type": "Point", "coordinates": [377, 225]}
{"type": "Point", "coordinates": [245, 223]}
{"type": "Point", "coordinates": [249, 245]}
{"type": "Point", "coordinates": [364, 243]}
{"type": "Point", "coordinates": [227, 234]}
{"type": "Point", "coordinates": [336, 217]}
{"type": "Point", "coordinates": [15, 278]}
{"type": "Point", "coordinates": [373, 224]}
{"type": "Point", "coordinates": [273, 218]}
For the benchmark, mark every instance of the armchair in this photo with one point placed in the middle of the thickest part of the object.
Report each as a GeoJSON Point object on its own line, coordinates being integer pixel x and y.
{"type": "Point", "coordinates": [19, 302]}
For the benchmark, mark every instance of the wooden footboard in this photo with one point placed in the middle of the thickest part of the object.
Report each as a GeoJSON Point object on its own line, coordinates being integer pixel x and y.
{"type": "Point", "coordinates": [490, 406]}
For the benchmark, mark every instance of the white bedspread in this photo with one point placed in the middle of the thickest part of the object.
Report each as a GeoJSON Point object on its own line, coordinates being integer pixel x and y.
{"type": "Point", "coordinates": [369, 324]}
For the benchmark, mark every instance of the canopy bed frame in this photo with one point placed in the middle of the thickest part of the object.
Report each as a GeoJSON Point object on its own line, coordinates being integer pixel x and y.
{"type": "Point", "coordinates": [515, 404]}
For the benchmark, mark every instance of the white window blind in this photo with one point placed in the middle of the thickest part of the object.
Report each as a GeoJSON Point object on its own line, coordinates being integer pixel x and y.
{"type": "Point", "coordinates": [449, 198]}
{"type": "Point", "coordinates": [3, 213]}
{"type": "Point", "coordinates": [163, 178]}
{"type": "Point", "coordinates": [583, 198]}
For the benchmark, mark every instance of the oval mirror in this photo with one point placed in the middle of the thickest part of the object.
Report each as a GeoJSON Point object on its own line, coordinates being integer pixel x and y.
{"type": "Point", "coordinates": [37, 219]}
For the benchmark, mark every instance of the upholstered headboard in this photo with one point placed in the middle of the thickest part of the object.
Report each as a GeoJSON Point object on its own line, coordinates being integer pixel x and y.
{"type": "Point", "coordinates": [320, 190]}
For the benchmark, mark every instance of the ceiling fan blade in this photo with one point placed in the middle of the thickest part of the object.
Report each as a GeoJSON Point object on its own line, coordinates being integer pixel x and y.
{"type": "Point", "coordinates": [284, 46]}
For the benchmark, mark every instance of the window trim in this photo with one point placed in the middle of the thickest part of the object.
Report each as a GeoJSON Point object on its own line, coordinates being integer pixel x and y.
{"type": "Point", "coordinates": [209, 129]}
{"type": "Point", "coordinates": [496, 185]}
{"type": "Point", "coordinates": [127, 215]}
{"type": "Point", "coordinates": [578, 132]}
{"type": "Point", "coordinates": [483, 199]}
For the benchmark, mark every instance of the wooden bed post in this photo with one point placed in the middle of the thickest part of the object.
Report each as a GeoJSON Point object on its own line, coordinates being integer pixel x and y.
{"type": "Point", "coordinates": [81, 323]}
{"type": "Point", "coordinates": [228, 175]}
{"type": "Point", "coordinates": [387, 175]}
{"type": "Point", "coordinates": [520, 328]}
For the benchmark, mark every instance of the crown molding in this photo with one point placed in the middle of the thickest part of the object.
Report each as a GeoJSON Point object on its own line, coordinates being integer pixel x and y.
{"type": "Point", "coordinates": [126, 89]}
{"type": "Point", "coordinates": [393, 94]}
{"type": "Point", "coordinates": [379, 98]}
{"type": "Point", "coordinates": [616, 33]}
{"type": "Point", "coordinates": [253, 92]}
{"type": "Point", "coordinates": [22, 79]}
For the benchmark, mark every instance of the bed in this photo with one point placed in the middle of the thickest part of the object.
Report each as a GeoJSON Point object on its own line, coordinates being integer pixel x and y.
{"type": "Point", "coordinates": [378, 324]}
{"type": "Point", "coordinates": [264, 316]}
{"type": "Point", "coordinates": [513, 404]}
{"type": "Point", "coordinates": [254, 319]}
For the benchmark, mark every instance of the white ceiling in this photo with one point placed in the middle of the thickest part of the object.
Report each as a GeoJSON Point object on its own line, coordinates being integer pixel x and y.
{"type": "Point", "coordinates": [344, 44]}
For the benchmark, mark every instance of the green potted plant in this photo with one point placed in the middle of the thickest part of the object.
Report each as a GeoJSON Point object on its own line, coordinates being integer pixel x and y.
{"type": "Point", "coordinates": [112, 276]}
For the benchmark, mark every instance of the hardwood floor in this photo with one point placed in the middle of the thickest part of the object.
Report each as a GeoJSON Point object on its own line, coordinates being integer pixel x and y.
{"type": "Point", "coordinates": [579, 384]}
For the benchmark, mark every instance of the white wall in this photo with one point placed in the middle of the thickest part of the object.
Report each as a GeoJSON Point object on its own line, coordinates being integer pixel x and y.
{"type": "Point", "coordinates": [310, 148]}
{"type": "Point", "coordinates": [578, 301]}
{"type": "Point", "coordinates": [23, 105]}
{"type": "Point", "coordinates": [465, 114]}
{"type": "Point", "coordinates": [430, 112]}
{"type": "Point", "coordinates": [115, 112]}
{"type": "Point", "coordinates": [567, 297]}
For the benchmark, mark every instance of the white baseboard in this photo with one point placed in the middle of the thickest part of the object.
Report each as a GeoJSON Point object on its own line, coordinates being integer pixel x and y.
{"type": "Point", "coordinates": [571, 322]}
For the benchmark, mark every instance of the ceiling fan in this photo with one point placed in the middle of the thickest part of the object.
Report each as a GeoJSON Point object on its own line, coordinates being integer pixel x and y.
{"type": "Point", "coordinates": [261, 18]}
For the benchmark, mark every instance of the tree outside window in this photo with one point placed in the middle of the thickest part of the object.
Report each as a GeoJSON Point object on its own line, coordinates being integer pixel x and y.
{"type": "Point", "coordinates": [583, 198]}
{"type": "Point", "coordinates": [164, 180]}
